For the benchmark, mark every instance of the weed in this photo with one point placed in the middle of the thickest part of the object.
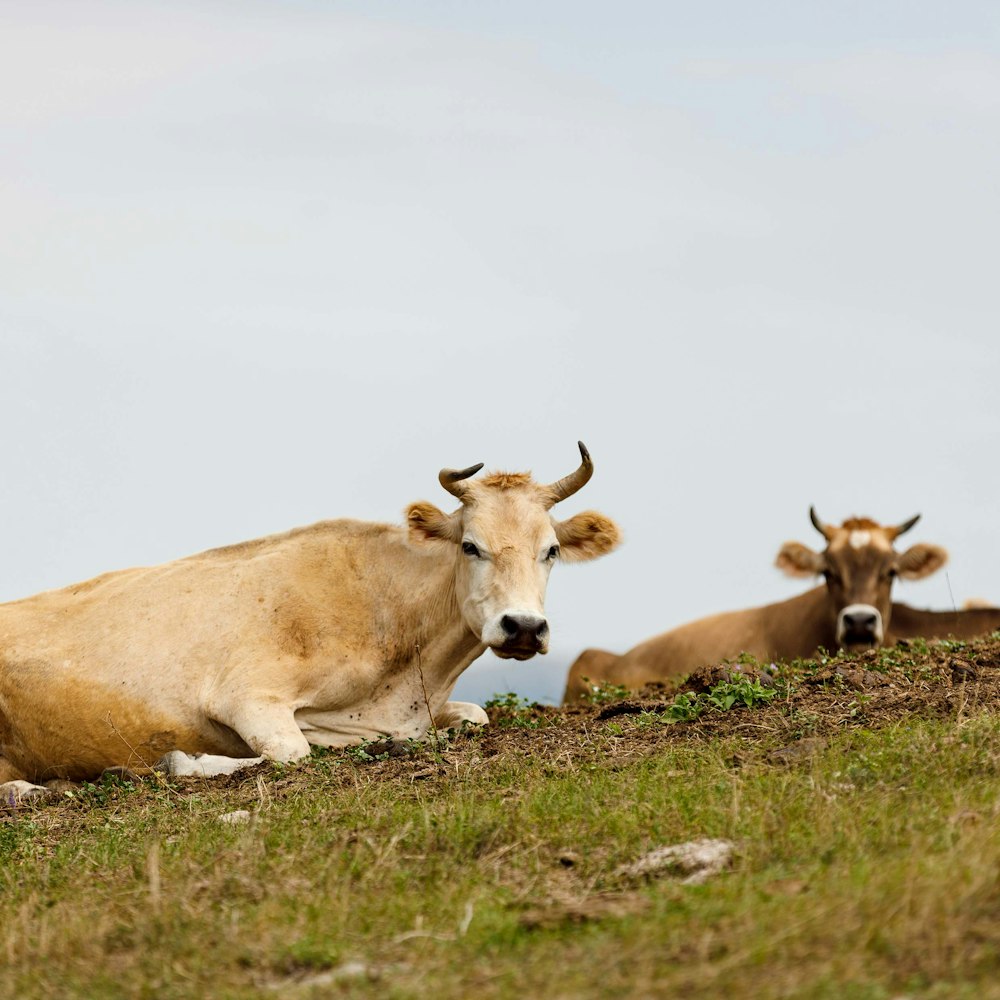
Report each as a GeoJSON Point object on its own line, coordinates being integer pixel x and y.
{"type": "Point", "coordinates": [745, 691]}
{"type": "Point", "coordinates": [604, 692]}
{"type": "Point", "coordinates": [508, 701]}
{"type": "Point", "coordinates": [369, 750]}
{"type": "Point", "coordinates": [684, 708]}
{"type": "Point", "coordinates": [721, 697]}
{"type": "Point", "coordinates": [13, 836]}
{"type": "Point", "coordinates": [802, 722]}
{"type": "Point", "coordinates": [509, 711]}
{"type": "Point", "coordinates": [100, 794]}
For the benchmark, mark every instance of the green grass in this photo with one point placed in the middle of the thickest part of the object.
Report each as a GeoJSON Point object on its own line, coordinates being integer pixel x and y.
{"type": "Point", "coordinates": [870, 869]}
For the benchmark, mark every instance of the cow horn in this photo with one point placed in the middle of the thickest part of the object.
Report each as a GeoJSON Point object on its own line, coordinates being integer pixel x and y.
{"type": "Point", "coordinates": [568, 485]}
{"type": "Point", "coordinates": [451, 479]}
{"type": "Point", "coordinates": [826, 532]}
{"type": "Point", "coordinates": [905, 526]}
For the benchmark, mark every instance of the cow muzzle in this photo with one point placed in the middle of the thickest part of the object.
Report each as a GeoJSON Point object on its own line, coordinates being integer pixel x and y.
{"type": "Point", "coordinates": [517, 635]}
{"type": "Point", "coordinates": [859, 625]}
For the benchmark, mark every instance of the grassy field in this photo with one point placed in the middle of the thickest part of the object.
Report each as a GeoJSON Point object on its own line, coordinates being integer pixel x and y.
{"type": "Point", "coordinates": [861, 797]}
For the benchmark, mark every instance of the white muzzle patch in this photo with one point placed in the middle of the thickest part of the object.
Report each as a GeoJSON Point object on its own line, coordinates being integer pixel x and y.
{"type": "Point", "coordinates": [517, 633]}
{"type": "Point", "coordinates": [859, 624]}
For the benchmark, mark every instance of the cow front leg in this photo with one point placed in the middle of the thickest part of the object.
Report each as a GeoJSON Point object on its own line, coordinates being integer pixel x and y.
{"type": "Point", "coordinates": [454, 714]}
{"type": "Point", "coordinates": [267, 728]}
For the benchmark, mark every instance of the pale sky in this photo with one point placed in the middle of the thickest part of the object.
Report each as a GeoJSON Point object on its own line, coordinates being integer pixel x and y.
{"type": "Point", "coordinates": [263, 264]}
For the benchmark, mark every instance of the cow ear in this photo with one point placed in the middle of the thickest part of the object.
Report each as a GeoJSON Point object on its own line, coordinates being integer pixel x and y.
{"type": "Point", "coordinates": [797, 559]}
{"type": "Point", "coordinates": [587, 536]}
{"type": "Point", "coordinates": [425, 523]}
{"type": "Point", "coordinates": [921, 560]}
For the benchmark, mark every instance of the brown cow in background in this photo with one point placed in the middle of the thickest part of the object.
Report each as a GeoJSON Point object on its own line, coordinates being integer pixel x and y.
{"type": "Point", "coordinates": [852, 610]}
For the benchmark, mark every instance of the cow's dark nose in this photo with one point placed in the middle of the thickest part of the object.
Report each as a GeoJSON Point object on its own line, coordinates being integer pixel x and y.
{"type": "Point", "coordinates": [528, 631]}
{"type": "Point", "coordinates": [860, 622]}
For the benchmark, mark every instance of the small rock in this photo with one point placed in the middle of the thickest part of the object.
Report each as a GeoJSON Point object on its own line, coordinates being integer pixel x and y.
{"type": "Point", "coordinates": [304, 984]}
{"type": "Point", "coordinates": [236, 818]}
{"type": "Point", "coordinates": [697, 860]}
{"type": "Point", "coordinates": [568, 858]}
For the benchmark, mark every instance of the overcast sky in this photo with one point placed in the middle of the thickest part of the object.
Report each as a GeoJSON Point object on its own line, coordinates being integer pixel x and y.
{"type": "Point", "coordinates": [267, 263]}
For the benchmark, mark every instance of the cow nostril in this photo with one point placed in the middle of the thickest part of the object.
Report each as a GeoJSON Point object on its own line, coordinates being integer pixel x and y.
{"type": "Point", "coordinates": [524, 628]}
{"type": "Point", "coordinates": [861, 620]}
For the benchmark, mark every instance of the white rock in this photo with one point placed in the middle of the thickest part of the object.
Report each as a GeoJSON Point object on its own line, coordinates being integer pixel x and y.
{"type": "Point", "coordinates": [697, 860]}
{"type": "Point", "coordinates": [235, 818]}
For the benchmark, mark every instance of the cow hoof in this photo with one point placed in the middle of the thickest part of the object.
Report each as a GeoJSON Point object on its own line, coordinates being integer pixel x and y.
{"type": "Point", "coordinates": [178, 764]}
{"type": "Point", "coordinates": [460, 715]}
{"type": "Point", "coordinates": [12, 792]}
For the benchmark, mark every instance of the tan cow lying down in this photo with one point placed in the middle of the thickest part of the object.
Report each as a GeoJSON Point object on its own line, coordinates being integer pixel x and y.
{"type": "Point", "coordinates": [326, 635]}
{"type": "Point", "coordinates": [852, 610]}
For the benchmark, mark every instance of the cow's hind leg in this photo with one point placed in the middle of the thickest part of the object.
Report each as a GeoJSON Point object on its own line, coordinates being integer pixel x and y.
{"type": "Point", "coordinates": [268, 728]}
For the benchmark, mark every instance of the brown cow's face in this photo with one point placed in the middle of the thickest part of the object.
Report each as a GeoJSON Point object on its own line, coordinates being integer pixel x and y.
{"type": "Point", "coordinates": [506, 542]}
{"type": "Point", "coordinates": [859, 565]}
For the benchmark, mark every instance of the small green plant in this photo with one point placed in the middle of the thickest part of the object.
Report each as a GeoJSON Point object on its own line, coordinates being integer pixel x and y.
{"type": "Point", "coordinates": [604, 692]}
{"type": "Point", "coordinates": [745, 691]}
{"type": "Point", "coordinates": [101, 793]}
{"type": "Point", "coordinates": [13, 835]}
{"type": "Point", "coordinates": [509, 701]}
{"type": "Point", "coordinates": [684, 708]}
{"type": "Point", "coordinates": [721, 697]}
{"type": "Point", "coordinates": [802, 722]}
{"type": "Point", "coordinates": [369, 750]}
{"type": "Point", "coordinates": [510, 711]}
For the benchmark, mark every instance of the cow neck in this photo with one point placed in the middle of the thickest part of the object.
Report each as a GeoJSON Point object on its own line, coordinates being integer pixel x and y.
{"type": "Point", "coordinates": [416, 592]}
{"type": "Point", "coordinates": [806, 623]}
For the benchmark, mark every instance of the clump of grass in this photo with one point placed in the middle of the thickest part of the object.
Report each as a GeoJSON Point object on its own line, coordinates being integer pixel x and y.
{"type": "Point", "coordinates": [604, 692]}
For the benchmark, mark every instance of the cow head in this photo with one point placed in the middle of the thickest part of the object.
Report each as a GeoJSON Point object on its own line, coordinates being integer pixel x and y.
{"type": "Point", "coordinates": [859, 564]}
{"type": "Point", "coordinates": [506, 542]}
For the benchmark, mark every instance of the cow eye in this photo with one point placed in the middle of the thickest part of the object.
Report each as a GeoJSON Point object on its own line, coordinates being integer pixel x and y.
{"type": "Point", "coordinates": [470, 550]}
{"type": "Point", "coordinates": [552, 553]}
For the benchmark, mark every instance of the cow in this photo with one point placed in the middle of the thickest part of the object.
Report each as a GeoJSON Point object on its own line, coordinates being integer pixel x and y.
{"type": "Point", "coordinates": [852, 610]}
{"type": "Point", "coordinates": [327, 635]}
